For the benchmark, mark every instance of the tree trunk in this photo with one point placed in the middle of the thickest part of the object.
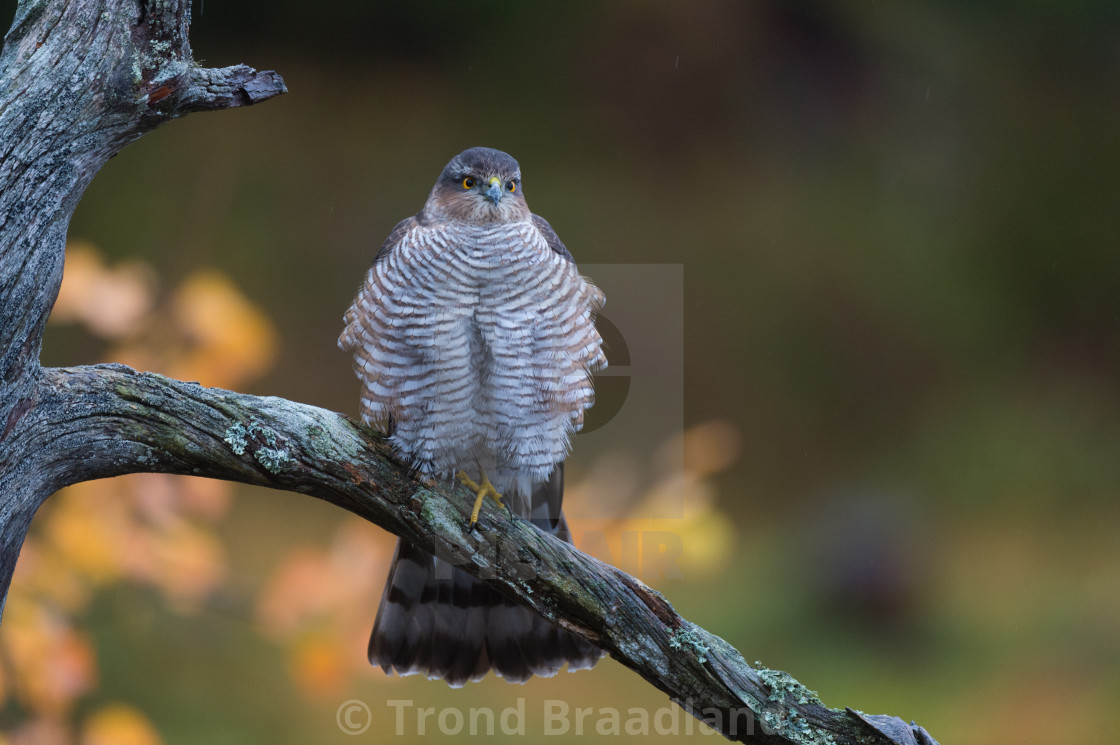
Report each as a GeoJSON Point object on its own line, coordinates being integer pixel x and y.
{"type": "Point", "coordinates": [82, 79]}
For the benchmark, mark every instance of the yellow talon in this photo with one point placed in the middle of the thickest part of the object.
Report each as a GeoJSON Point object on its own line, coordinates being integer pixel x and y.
{"type": "Point", "coordinates": [481, 490]}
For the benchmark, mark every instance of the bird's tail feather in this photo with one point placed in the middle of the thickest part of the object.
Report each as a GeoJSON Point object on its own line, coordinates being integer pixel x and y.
{"type": "Point", "coordinates": [447, 624]}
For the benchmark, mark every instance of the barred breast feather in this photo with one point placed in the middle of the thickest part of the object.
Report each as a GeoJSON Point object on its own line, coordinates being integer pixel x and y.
{"type": "Point", "coordinates": [478, 343]}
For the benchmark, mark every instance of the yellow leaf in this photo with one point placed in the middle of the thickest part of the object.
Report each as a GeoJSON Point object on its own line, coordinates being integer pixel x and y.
{"type": "Point", "coordinates": [118, 724]}
{"type": "Point", "coordinates": [44, 574]}
{"type": "Point", "coordinates": [233, 339]}
{"type": "Point", "coordinates": [184, 561]}
{"type": "Point", "coordinates": [111, 303]}
{"type": "Point", "coordinates": [81, 273]}
{"type": "Point", "coordinates": [90, 529]}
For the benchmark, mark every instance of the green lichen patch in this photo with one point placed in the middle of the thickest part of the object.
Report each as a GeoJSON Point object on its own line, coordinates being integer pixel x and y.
{"type": "Point", "coordinates": [782, 684]}
{"type": "Point", "coordinates": [268, 452]}
{"type": "Point", "coordinates": [687, 637]}
{"type": "Point", "coordinates": [273, 459]}
{"type": "Point", "coordinates": [237, 438]}
{"type": "Point", "coordinates": [265, 433]}
{"type": "Point", "coordinates": [793, 727]}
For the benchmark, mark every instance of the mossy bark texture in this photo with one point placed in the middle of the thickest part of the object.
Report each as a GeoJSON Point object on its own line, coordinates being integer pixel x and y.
{"type": "Point", "coordinates": [79, 80]}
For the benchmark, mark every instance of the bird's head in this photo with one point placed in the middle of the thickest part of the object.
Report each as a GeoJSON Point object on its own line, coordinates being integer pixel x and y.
{"type": "Point", "coordinates": [479, 185]}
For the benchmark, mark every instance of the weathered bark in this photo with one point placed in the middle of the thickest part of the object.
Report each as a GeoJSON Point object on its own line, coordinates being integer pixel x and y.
{"type": "Point", "coordinates": [81, 79]}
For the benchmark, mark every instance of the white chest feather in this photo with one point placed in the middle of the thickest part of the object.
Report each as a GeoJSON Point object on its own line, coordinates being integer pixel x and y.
{"type": "Point", "coordinates": [479, 343]}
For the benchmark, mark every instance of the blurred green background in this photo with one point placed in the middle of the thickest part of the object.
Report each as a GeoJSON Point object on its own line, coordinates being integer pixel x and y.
{"type": "Point", "coordinates": [898, 225]}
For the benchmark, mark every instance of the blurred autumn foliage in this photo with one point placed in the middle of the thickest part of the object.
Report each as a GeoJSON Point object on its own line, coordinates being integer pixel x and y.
{"type": "Point", "coordinates": [150, 529]}
{"type": "Point", "coordinates": [204, 329]}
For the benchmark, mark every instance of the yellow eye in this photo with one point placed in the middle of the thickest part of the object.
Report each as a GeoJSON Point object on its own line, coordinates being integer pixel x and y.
{"type": "Point", "coordinates": [468, 183]}
{"type": "Point", "coordinates": [512, 186]}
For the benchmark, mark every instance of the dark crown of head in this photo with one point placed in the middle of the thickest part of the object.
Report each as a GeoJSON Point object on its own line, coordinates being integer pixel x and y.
{"type": "Point", "coordinates": [480, 160]}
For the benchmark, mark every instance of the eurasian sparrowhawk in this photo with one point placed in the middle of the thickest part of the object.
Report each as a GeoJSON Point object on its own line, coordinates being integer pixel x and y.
{"type": "Point", "coordinates": [474, 339]}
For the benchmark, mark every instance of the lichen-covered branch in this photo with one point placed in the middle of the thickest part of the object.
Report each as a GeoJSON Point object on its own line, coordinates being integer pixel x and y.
{"type": "Point", "coordinates": [79, 80]}
{"type": "Point", "coordinates": [107, 420]}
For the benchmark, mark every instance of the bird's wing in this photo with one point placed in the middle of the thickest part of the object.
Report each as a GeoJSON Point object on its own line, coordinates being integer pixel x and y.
{"type": "Point", "coordinates": [395, 237]}
{"type": "Point", "coordinates": [551, 238]}
{"type": "Point", "coordinates": [546, 501]}
{"type": "Point", "coordinates": [357, 335]}
{"type": "Point", "coordinates": [353, 329]}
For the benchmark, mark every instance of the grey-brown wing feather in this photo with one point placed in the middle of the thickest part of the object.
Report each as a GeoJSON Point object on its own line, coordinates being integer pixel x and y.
{"type": "Point", "coordinates": [551, 238]}
{"type": "Point", "coordinates": [351, 335]}
{"type": "Point", "coordinates": [547, 501]}
{"type": "Point", "coordinates": [395, 236]}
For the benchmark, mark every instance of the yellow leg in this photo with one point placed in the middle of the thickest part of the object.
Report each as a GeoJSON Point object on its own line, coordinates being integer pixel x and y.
{"type": "Point", "coordinates": [481, 490]}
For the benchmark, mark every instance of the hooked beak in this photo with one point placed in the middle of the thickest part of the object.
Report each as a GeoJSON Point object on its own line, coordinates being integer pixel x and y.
{"type": "Point", "coordinates": [494, 191]}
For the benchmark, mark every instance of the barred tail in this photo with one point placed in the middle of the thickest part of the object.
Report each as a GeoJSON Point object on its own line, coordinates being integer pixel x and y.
{"type": "Point", "coordinates": [441, 622]}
